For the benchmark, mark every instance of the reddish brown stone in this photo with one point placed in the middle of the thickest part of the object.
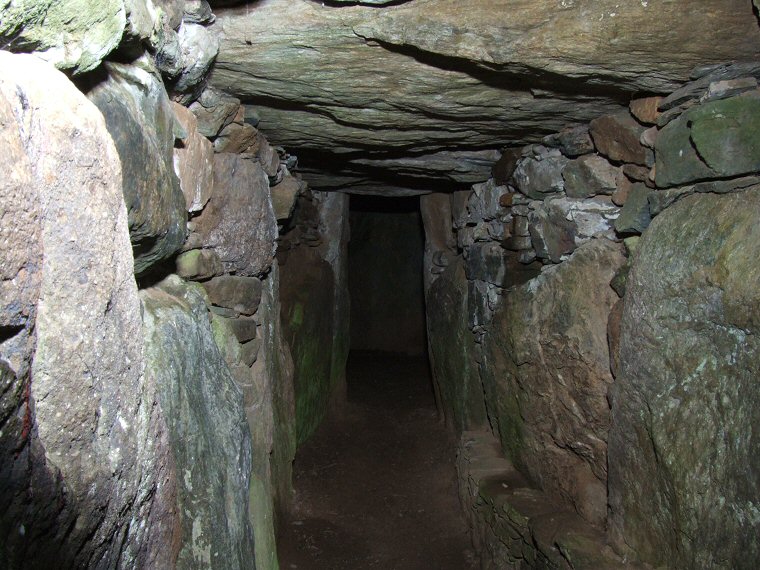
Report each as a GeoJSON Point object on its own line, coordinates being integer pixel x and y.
{"type": "Point", "coordinates": [617, 138]}
{"type": "Point", "coordinates": [645, 110]}
{"type": "Point", "coordinates": [504, 167]}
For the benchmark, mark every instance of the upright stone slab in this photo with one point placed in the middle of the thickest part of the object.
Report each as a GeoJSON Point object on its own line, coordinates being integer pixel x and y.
{"type": "Point", "coordinates": [141, 120]}
{"type": "Point", "coordinates": [546, 375]}
{"type": "Point", "coordinates": [684, 452]}
{"type": "Point", "coordinates": [82, 449]}
{"type": "Point", "coordinates": [207, 429]}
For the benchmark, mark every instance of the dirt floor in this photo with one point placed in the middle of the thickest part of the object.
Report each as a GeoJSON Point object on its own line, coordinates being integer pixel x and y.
{"type": "Point", "coordinates": [376, 488]}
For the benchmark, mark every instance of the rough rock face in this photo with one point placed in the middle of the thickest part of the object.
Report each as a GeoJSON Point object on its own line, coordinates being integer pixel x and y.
{"type": "Point", "coordinates": [238, 223]}
{"type": "Point", "coordinates": [546, 374]}
{"type": "Point", "coordinates": [141, 121]}
{"type": "Point", "coordinates": [78, 428]}
{"type": "Point", "coordinates": [486, 73]}
{"type": "Point", "coordinates": [683, 445]}
{"type": "Point", "coordinates": [71, 34]}
{"type": "Point", "coordinates": [315, 305]}
{"type": "Point", "coordinates": [208, 431]}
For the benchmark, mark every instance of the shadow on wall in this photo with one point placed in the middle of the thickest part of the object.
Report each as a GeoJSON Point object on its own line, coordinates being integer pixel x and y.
{"type": "Point", "coordinates": [385, 275]}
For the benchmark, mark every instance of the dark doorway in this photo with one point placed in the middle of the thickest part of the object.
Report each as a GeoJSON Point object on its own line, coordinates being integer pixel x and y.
{"type": "Point", "coordinates": [385, 275]}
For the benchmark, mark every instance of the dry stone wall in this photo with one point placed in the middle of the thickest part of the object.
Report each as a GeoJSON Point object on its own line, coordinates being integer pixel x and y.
{"type": "Point", "coordinates": [613, 356]}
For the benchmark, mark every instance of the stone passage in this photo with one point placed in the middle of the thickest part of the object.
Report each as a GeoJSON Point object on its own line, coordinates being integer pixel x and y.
{"type": "Point", "coordinates": [376, 487]}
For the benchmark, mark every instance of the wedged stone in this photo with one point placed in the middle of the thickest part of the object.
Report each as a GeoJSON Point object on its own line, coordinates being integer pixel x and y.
{"type": "Point", "coordinates": [82, 463]}
{"type": "Point", "coordinates": [539, 176]}
{"type": "Point", "coordinates": [214, 111]}
{"type": "Point", "coordinates": [729, 88]}
{"type": "Point", "coordinates": [198, 12]}
{"type": "Point", "coordinates": [73, 35]}
{"type": "Point", "coordinates": [237, 138]}
{"type": "Point", "coordinates": [140, 25]}
{"type": "Point", "coordinates": [172, 11]}
{"type": "Point", "coordinates": [243, 294]}
{"type": "Point", "coordinates": [690, 93]}
{"type": "Point", "coordinates": [661, 199]}
{"type": "Point", "coordinates": [634, 217]}
{"type": "Point", "coordinates": [561, 224]}
{"type": "Point", "coordinates": [193, 162]}
{"type": "Point", "coordinates": [199, 46]}
{"type": "Point", "coordinates": [284, 197]}
{"type": "Point", "coordinates": [483, 203]}
{"type": "Point", "coordinates": [250, 351]}
{"type": "Point", "coordinates": [572, 142]}
{"type": "Point", "coordinates": [268, 157]}
{"type": "Point", "coordinates": [646, 110]}
{"type": "Point", "coordinates": [140, 119]}
{"type": "Point", "coordinates": [548, 392]}
{"type": "Point", "coordinates": [686, 395]}
{"type": "Point", "coordinates": [206, 428]}
{"type": "Point", "coordinates": [238, 222]}
{"type": "Point", "coordinates": [486, 261]}
{"type": "Point", "coordinates": [504, 167]}
{"type": "Point", "coordinates": [244, 328]}
{"type": "Point", "coordinates": [588, 176]}
{"type": "Point", "coordinates": [551, 235]}
{"type": "Point", "coordinates": [198, 264]}
{"type": "Point", "coordinates": [166, 49]}
{"type": "Point", "coordinates": [617, 137]}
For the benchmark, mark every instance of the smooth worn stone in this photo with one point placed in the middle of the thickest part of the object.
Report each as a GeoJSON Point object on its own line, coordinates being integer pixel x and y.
{"type": "Point", "coordinates": [198, 264]}
{"type": "Point", "coordinates": [635, 172]}
{"type": "Point", "coordinates": [214, 110]}
{"type": "Point", "coordinates": [588, 176]}
{"type": "Point", "coordinates": [634, 217]}
{"type": "Point", "coordinates": [617, 137]}
{"type": "Point", "coordinates": [549, 408]}
{"type": "Point", "coordinates": [646, 110]}
{"type": "Point", "coordinates": [726, 134]}
{"type": "Point", "coordinates": [243, 294]}
{"type": "Point", "coordinates": [572, 142]}
{"type": "Point", "coordinates": [206, 429]}
{"type": "Point", "coordinates": [238, 222]}
{"type": "Point", "coordinates": [539, 178]}
{"type": "Point", "coordinates": [284, 197]}
{"type": "Point", "coordinates": [193, 161]}
{"type": "Point", "coordinates": [649, 137]}
{"type": "Point", "coordinates": [141, 120]}
{"type": "Point", "coordinates": [80, 454]}
{"type": "Point", "coordinates": [686, 397]}
{"type": "Point", "coordinates": [244, 328]}
{"type": "Point", "coordinates": [73, 35]}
